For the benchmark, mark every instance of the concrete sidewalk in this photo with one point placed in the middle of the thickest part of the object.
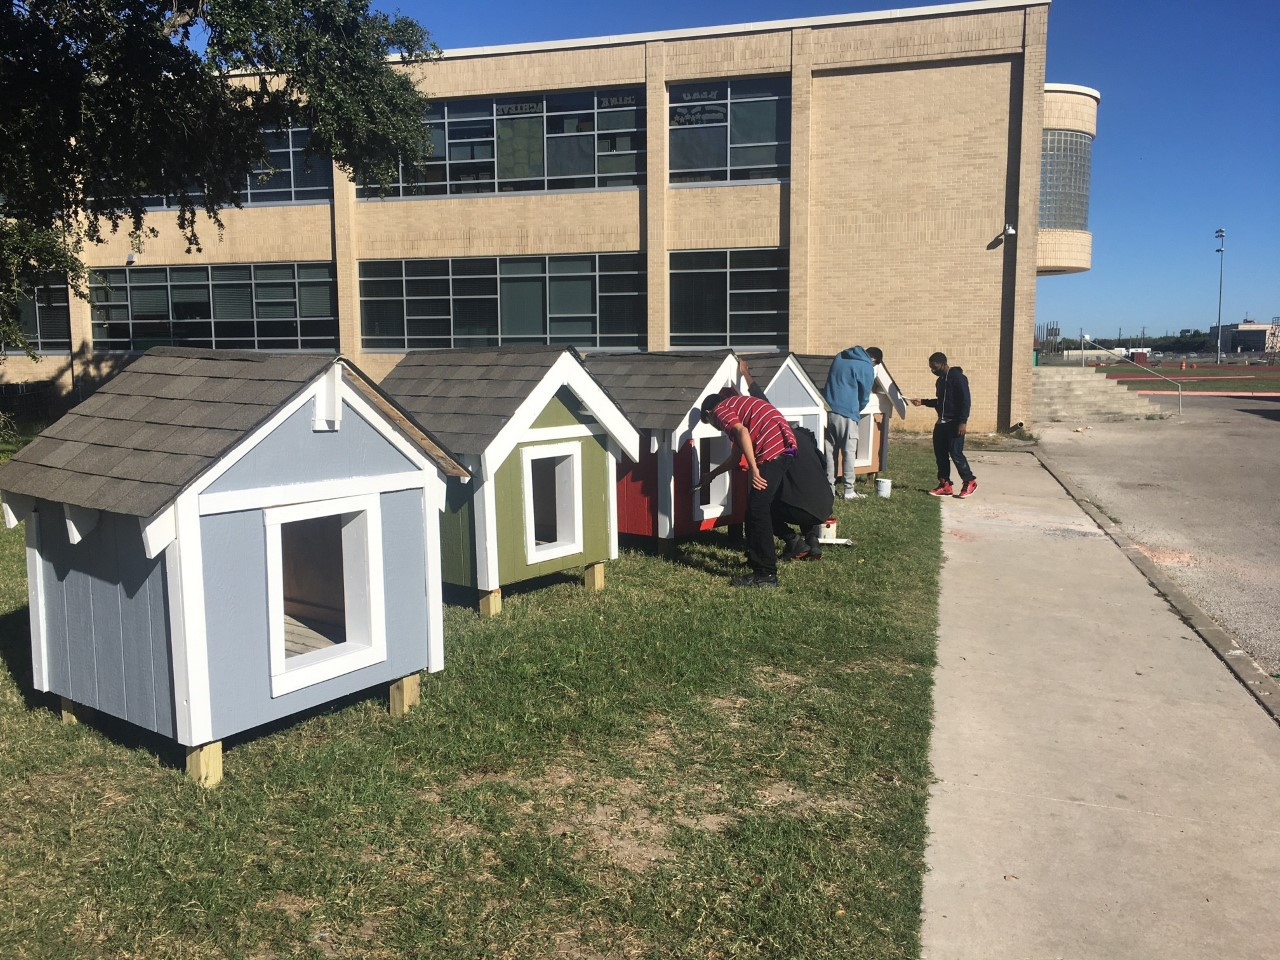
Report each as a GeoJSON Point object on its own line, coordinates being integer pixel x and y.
{"type": "Point", "coordinates": [1105, 788]}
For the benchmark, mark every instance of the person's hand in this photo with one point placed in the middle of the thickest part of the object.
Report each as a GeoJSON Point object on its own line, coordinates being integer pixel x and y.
{"type": "Point", "coordinates": [758, 482]}
{"type": "Point", "coordinates": [961, 429]}
{"type": "Point", "coordinates": [916, 401]}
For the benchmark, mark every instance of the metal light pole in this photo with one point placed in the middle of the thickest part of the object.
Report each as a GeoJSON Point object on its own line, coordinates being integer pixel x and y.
{"type": "Point", "coordinates": [1222, 248]}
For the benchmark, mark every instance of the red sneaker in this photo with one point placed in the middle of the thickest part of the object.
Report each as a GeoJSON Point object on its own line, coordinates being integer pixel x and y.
{"type": "Point", "coordinates": [968, 489]}
{"type": "Point", "coordinates": [943, 489]}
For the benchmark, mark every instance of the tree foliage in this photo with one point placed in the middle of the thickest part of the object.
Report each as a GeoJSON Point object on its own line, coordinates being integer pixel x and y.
{"type": "Point", "coordinates": [105, 102]}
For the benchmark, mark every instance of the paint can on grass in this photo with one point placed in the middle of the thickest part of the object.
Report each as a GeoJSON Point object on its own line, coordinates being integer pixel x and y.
{"type": "Point", "coordinates": [883, 487]}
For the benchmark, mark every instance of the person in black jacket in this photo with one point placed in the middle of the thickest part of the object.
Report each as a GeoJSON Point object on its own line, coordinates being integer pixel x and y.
{"type": "Point", "coordinates": [952, 403]}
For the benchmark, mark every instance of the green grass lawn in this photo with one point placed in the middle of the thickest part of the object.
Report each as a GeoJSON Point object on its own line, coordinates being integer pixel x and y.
{"type": "Point", "coordinates": [1246, 379]}
{"type": "Point", "coordinates": [667, 769]}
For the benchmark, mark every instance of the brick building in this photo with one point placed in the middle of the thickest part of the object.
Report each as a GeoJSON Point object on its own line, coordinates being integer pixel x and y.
{"type": "Point", "coordinates": [895, 178]}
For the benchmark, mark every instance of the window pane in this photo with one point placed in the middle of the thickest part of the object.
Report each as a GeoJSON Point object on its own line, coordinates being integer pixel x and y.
{"type": "Point", "coordinates": [571, 156]}
{"type": "Point", "coordinates": [315, 271]}
{"type": "Point", "coordinates": [707, 90]}
{"type": "Point", "coordinates": [699, 303]}
{"type": "Point", "coordinates": [317, 300]}
{"type": "Point", "coordinates": [770, 157]}
{"type": "Point", "coordinates": [761, 87]}
{"type": "Point", "coordinates": [698, 260]}
{"type": "Point", "coordinates": [622, 315]}
{"type": "Point", "coordinates": [744, 259]}
{"type": "Point", "coordinates": [698, 149]}
{"type": "Point", "coordinates": [571, 265]}
{"type": "Point", "coordinates": [190, 303]}
{"type": "Point", "coordinates": [619, 163]}
{"type": "Point", "coordinates": [621, 119]}
{"type": "Point", "coordinates": [473, 318]}
{"type": "Point", "coordinates": [274, 291]}
{"type": "Point", "coordinates": [476, 267]}
{"type": "Point", "coordinates": [277, 309]}
{"type": "Point", "coordinates": [233, 301]}
{"type": "Point", "coordinates": [475, 287]}
{"type": "Point", "coordinates": [522, 266]}
{"type": "Point", "coordinates": [273, 271]}
{"type": "Point", "coordinates": [763, 121]}
{"type": "Point", "coordinates": [520, 148]}
{"type": "Point", "coordinates": [570, 102]}
{"type": "Point", "coordinates": [382, 318]}
{"type": "Point", "coordinates": [150, 303]}
{"type": "Point", "coordinates": [573, 295]}
{"type": "Point", "coordinates": [523, 306]}
{"type": "Point", "coordinates": [188, 274]}
{"type": "Point", "coordinates": [232, 273]}
{"type": "Point", "coordinates": [153, 275]}
{"type": "Point", "coordinates": [382, 288]}
{"type": "Point", "coordinates": [621, 262]}
{"type": "Point", "coordinates": [426, 268]}
{"type": "Point", "coordinates": [433, 287]}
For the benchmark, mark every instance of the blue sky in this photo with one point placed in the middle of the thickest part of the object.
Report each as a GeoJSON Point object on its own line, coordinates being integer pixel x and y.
{"type": "Point", "coordinates": [1188, 137]}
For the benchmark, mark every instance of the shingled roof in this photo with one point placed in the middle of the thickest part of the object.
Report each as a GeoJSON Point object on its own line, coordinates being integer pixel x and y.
{"type": "Point", "coordinates": [147, 434]}
{"type": "Point", "coordinates": [817, 366]}
{"type": "Point", "coordinates": [469, 394]}
{"type": "Point", "coordinates": [656, 390]}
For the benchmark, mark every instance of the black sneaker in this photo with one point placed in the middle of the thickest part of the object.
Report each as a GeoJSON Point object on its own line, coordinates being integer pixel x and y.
{"type": "Point", "coordinates": [797, 548]}
{"type": "Point", "coordinates": [766, 580]}
{"type": "Point", "coordinates": [813, 540]}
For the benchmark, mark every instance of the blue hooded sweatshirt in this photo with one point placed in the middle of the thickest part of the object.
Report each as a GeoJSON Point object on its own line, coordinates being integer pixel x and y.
{"type": "Point", "coordinates": [849, 382]}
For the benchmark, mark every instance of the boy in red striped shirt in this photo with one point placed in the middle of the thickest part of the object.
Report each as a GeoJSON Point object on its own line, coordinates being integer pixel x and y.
{"type": "Point", "coordinates": [762, 435]}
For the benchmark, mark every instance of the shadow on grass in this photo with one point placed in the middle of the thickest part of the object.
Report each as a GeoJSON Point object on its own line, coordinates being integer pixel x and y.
{"type": "Point", "coordinates": [15, 654]}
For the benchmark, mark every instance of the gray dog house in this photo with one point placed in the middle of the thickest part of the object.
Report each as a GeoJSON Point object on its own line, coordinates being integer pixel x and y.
{"type": "Point", "coordinates": [218, 540]}
{"type": "Point", "coordinates": [787, 385]}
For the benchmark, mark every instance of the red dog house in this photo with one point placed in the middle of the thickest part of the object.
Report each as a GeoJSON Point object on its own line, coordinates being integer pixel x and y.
{"type": "Point", "coordinates": [660, 393]}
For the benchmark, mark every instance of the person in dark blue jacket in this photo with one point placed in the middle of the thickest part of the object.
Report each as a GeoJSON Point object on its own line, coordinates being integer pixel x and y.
{"type": "Point", "coordinates": [848, 388]}
{"type": "Point", "coordinates": [952, 403]}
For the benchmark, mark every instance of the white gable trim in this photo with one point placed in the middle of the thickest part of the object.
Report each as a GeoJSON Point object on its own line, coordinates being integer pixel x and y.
{"type": "Point", "coordinates": [36, 599]}
{"type": "Point", "coordinates": [193, 714]}
{"type": "Point", "coordinates": [811, 388]}
{"type": "Point", "coordinates": [432, 505]}
{"type": "Point", "coordinates": [569, 372]}
{"type": "Point", "coordinates": [726, 375]}
{"type": "Point", "coordinates": [889, 387]}
{"type": "Point", "coordinates": [486, 527]}
{"type": "Point", "coordinates": [312, 394]}
{"type": "Point", "coordinates": [614, 455]}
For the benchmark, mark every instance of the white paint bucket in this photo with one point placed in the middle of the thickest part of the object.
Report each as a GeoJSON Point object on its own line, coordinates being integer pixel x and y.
{"type": "Point", "coordinates": [828, 529]}
{"type": "Point", "coordinates": [883, 487]}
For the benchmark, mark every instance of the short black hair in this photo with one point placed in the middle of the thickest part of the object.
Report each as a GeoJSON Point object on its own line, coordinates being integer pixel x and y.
{"type": "Point", "coordinates": [876, 354]}
{"type": "Point", "coordinates": [937, 357]}
{"type": "Point", "coordinates": [709, 403]}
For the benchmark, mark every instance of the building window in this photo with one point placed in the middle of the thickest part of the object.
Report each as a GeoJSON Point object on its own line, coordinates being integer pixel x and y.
{"type": "Point", "coordinates": [45, 317]}
{"type": "Point", "coordinates": [552, 500]}
{"type": "Point", "coordinates": [579, 140]}
{"type": "Point", "coordinates": [583, 300]}
{"type": "Point", "coordinates": [1065, 164]}
{"type": "Point", "coordinates": [738, 129]}
{"type": "Point", "coordinates": [325, 599]}
{"type": "Point", "coordinates": [733, 298]}
{"type": "Point", "coordinates": [289, 176]}
{"type": "Point", "coordinates": [259, 306]}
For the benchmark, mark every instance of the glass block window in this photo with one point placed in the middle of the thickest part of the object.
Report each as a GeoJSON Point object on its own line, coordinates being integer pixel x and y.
{"type": "Point", "coordinates": [1065, 164]}
{"type": "Point", "coordinates": [45, 317]}
{"type": "Point", "coordinates": [733, 298]}
{"type": "Point", "coordinates": [578, 140]}
{"type": "Point", "coordinates": [258, 306]}
{"type": "Point", "coordinates": [586, 300]}
{"type": "Point", "coordinates": [735, 129]}
{"type": "Point", "coordinates": [289, 176]}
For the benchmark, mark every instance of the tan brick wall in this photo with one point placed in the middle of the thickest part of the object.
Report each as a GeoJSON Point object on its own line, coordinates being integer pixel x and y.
{"type": "Point", "coordinates": [1064, 110]}
{"type": "Point", "coordinates": [908, 195]}
{"type": "Point", "coordinates": [704, 218]}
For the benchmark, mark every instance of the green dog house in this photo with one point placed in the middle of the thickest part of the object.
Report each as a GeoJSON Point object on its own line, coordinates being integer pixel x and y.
{"type": "Point", "coordinates": [541, 439]}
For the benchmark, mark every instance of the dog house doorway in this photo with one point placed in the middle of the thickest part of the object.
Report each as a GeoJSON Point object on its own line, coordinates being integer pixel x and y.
{"type": "Point", "coordinates": [315, 610]}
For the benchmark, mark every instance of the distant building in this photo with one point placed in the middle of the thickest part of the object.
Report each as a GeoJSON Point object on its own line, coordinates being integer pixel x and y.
{"type": "Point", "coordinates": [897, 177]}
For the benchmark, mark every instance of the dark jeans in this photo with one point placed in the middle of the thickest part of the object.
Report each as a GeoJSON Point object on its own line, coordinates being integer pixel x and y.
{"type": "Point", "coordinates": [761, 553]}
{"type": "Point", "coordinates": [948, 445]}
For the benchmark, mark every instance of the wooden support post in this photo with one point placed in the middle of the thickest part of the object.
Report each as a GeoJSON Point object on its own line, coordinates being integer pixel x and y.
{"type": "Point", "coordinates": [667, 548]}
{"type": "Point", "coordinates": [204, 764]}
{"type": "Point", "coordinates": [405, 693]}
{"type": "Point", "coordinates": [70, 713]}
{"type": "Point", "coordinates": [491, 603]}
{"type": "Point", "coordinates": [593, 577]}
